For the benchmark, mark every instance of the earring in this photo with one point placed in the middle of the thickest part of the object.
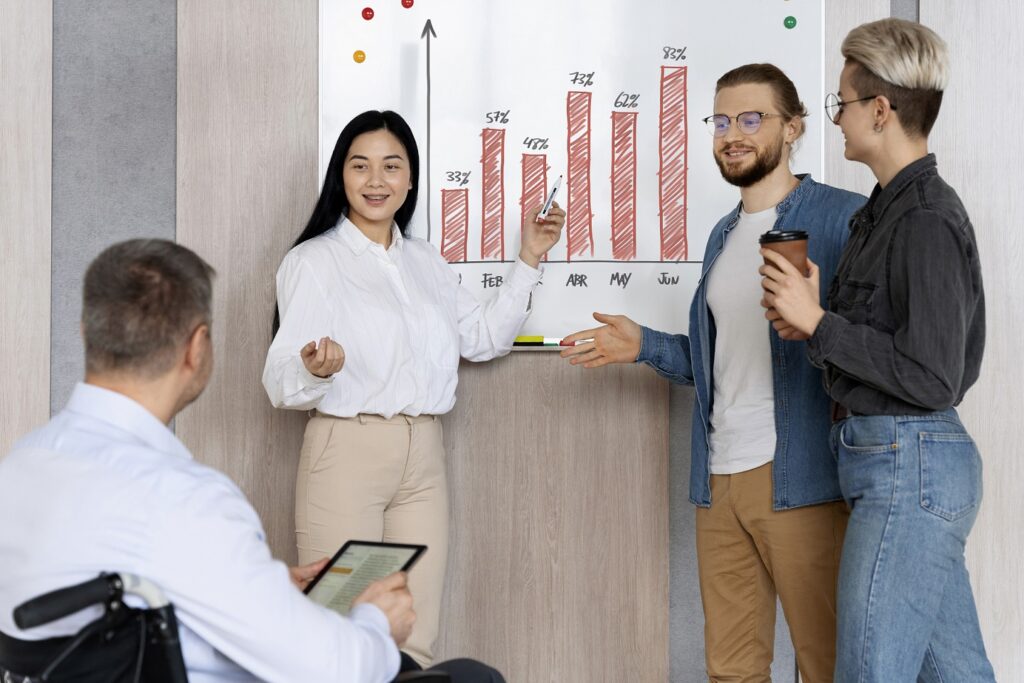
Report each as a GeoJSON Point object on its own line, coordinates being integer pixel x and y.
{"type": "Point", "coordinates": [878, 128]}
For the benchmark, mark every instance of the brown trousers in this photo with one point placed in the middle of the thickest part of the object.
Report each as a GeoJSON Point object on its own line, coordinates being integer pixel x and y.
{"type": "Point", "coordinates": [747, 554]}
{"type": "Point", "coordinates": [375, 479]}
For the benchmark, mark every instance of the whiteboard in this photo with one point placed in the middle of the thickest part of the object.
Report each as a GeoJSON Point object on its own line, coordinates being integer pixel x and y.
{"type": "Point", "coordinates": [609, 94]}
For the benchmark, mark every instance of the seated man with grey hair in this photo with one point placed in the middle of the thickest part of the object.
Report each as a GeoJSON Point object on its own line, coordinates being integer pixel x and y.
{"type": "Point", "coordinates": [106, 486]}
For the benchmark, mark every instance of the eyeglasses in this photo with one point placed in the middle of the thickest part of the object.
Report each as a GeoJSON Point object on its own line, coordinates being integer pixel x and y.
{"type": "Point", "coordinates": [834, 105]}
{"type": "Point", "coordinates": [748, 122]}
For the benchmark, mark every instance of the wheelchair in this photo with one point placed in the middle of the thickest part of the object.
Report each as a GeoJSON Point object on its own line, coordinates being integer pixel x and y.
{"type": "Point", "coordinates": [124, 645]}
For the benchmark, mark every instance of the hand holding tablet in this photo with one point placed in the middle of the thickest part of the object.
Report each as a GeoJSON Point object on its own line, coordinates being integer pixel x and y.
{"type": "Point", "coordinates": [355, 567]}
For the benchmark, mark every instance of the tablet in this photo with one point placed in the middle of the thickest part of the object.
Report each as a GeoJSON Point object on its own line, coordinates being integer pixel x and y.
{"type": "Point", "coordinates": [354, 567]}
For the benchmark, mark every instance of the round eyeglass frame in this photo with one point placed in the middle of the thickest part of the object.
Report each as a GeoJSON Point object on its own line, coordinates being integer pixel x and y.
{"type": "Point", "coordinates": [834, 105]}
{"type": "Point", "coordinates": [712, 122]}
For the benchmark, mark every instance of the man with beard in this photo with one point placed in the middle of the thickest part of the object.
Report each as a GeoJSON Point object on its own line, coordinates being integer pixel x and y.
{"type": "Point", "coordinates": [770, 519]}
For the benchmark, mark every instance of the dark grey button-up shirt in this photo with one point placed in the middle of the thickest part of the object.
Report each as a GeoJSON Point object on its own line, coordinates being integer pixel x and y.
{"type": "Point", "coordinates": [905, 330]}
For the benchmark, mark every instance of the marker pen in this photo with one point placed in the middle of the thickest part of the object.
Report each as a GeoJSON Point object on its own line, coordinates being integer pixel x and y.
{"type": "Point", "coordinates": [536, 341]}
{"type": "Point", "coordinates": [546, 341]}
{"type": "Point", "coordinates": [551, 198]}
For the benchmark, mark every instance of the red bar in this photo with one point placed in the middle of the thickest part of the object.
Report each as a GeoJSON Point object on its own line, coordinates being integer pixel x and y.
{"type": "Point", "coordinates": [454, 224]}
{"type": "Point", "coordinates": [492, 244]}
{"type": "Point", "coordinates": [580, 219]}
{"type": "Point", "coordinates": [535, 185]}
{"type": "Point", "coordinates": [623, 185]}
{"type": "Point", "coordinates": [672, 163]}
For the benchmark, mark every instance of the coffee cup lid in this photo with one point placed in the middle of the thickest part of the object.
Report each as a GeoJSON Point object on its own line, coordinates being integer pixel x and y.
{"type": "Point", "coordinates": [782, 236]}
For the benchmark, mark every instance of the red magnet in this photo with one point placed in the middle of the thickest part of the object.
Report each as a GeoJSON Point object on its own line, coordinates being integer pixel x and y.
{"type": "Point", "coordinates": [367, 13]}
{"type": "Point", "coordinates": [407, 4]}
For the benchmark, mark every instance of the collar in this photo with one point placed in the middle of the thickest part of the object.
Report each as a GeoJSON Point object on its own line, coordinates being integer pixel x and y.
{"type": "Point", "coordinates": [797, 193]}
{"type": "Point", "coordinates": [881, 198]}
{"type": "Point", "coordinates": [121, 412]}
{"type": "Point", "coordinates": [354, 238]}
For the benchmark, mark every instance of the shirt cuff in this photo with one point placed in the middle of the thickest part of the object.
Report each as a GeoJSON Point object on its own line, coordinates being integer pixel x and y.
{"type": "Point", "coordinates": [524, 277]}
{"type": "Point", "coordinates": [823, 341]}
{"type": "Point", "coordinates": [308, 379]}
{"type": "Point", "coordinates": [649, 350]}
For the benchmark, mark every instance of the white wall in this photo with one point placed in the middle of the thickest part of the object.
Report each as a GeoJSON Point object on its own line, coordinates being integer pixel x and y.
{"type": "Point", "coordinates": [978, 142]}
{"type": "Point", "coordinates": [981, 154]}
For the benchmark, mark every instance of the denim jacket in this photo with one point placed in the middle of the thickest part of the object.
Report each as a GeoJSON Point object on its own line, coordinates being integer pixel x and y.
{"type": "Point", "coordinates": [804, 471]}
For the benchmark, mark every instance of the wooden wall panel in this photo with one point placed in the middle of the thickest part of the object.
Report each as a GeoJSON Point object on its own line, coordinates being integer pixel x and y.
{"type": "Point", "coordinates": [26, 103]}
{"type": "Point", "coordinates": [559, 495]}
{"type": "Point", "coordinates": [247, 136]}
{"type": "Point", "coordinates": [981, 154]}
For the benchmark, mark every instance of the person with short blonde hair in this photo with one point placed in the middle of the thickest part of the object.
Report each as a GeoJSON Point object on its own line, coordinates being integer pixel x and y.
{"type": "Point", "coordinates": [905, 62]}
{"type": "Point", "coordinates": [900, 345]}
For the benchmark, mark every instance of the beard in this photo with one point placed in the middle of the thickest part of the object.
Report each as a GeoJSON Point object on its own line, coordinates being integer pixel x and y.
{"type": "Point", "coordinates": [765, 161]}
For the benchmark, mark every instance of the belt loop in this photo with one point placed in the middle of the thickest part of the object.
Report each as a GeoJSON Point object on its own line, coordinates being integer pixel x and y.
{"type": "Point", "coordinates": [361, 417]}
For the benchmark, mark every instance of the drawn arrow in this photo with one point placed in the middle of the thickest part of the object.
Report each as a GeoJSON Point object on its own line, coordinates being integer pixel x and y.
{"type": "Point", "coordinates": [428, 30]}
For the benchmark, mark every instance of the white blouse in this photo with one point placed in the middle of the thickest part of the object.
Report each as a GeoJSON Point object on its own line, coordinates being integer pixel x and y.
{"type": "Point", "coordinates": [400, 315]}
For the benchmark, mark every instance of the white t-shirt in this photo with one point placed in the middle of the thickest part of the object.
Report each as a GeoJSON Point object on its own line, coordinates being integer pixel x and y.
{"type": "Point", "coordinates": [743, 412]}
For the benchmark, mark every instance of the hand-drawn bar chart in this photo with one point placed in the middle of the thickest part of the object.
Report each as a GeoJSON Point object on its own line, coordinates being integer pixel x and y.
{"type": "Point", "coordinates": [492, 219]}
{"type": "Point", "coordinates": [455, 218]}
{"type": "Point", "coordinates": [579, 226]}
{"type": "Point", "coordinates": [623, 185]}
{"type": "Point", "coordinates": [672, 158]}
{"type": "Point", "coordinates": [579, 136]}
{"type": "Point", "coordinates": [534, 184]}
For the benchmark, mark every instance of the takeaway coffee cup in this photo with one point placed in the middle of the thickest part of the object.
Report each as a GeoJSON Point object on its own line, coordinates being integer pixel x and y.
{"type": "Point", "coordinates": [790, 243]}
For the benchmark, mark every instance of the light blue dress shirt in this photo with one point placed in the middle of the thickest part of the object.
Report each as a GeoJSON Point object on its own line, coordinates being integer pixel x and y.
{"type": "Point", "coordinates": [105, 486]}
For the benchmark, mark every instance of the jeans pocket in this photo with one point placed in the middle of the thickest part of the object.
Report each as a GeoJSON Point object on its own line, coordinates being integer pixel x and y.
{"type": "Point", "coordinates": [950, 474]}
{"type": "Point", "coordinates": [859, 436]}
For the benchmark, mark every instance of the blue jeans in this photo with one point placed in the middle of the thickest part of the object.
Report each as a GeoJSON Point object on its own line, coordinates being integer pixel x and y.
{"type": "Point", "coordinates": [905, 608]}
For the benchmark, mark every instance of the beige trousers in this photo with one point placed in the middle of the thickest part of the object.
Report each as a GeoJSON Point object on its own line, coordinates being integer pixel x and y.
{"type": "Point", "coordinates": [375, 479]}
{"type": "Point", "coordinates": [747, 554]}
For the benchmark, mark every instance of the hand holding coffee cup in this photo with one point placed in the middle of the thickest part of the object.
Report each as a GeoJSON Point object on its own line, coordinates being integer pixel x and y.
{"type": "Point", "coordinates": [790, 243]}
{"type": "Point", "coordinates": [790, 283]}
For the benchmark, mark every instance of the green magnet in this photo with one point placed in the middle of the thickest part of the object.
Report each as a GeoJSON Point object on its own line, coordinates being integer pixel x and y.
{"type": "Point", "coordinates": [790, 22]}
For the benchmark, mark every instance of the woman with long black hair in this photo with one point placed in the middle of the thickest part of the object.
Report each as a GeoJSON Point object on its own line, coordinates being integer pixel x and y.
{"type": "Point", "coordinates": [373, 322]}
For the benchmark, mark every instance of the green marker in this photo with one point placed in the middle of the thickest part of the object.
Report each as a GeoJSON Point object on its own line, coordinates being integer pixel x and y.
{"type": "Point", "coordinates": [790, 22]}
